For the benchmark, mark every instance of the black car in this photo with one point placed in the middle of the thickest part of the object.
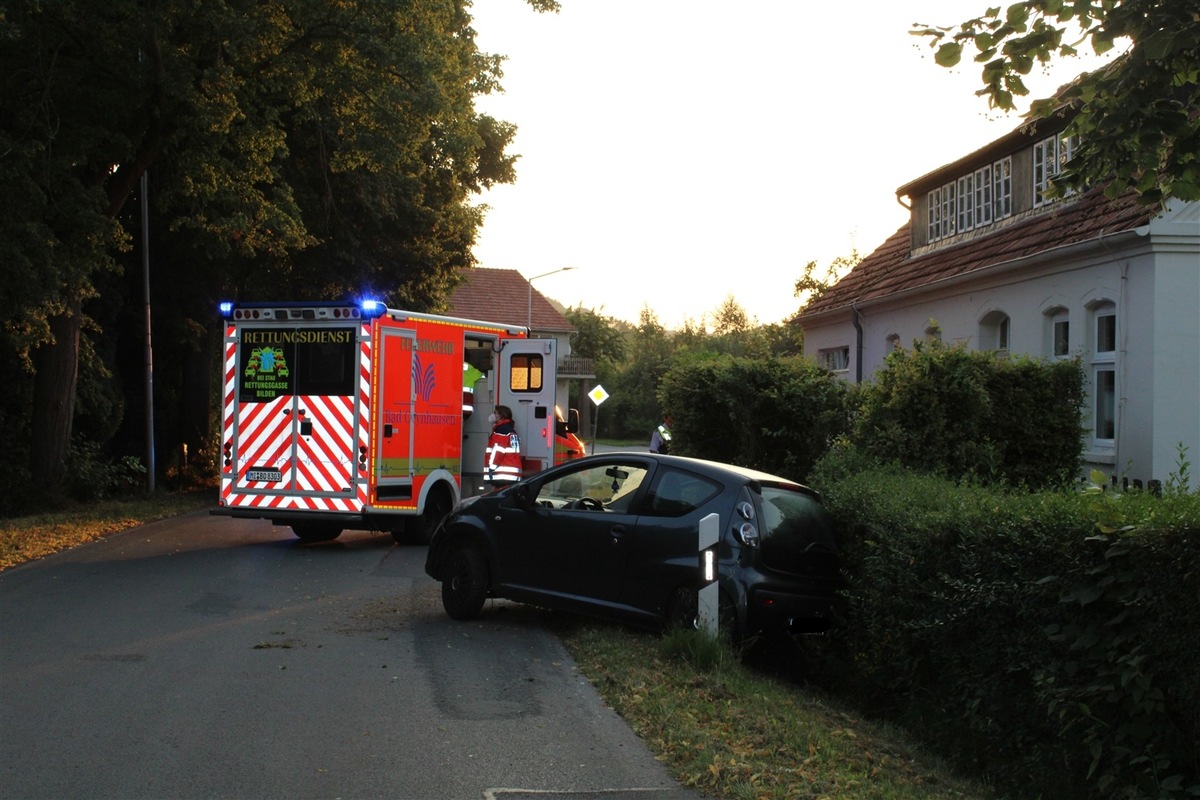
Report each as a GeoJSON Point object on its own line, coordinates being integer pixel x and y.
{"type": "Point", "coordinates": [616, 536]}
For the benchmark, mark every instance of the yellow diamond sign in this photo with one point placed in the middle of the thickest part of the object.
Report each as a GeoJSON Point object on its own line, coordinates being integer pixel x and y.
{"type": "Point", "coordinates": [598, 394]}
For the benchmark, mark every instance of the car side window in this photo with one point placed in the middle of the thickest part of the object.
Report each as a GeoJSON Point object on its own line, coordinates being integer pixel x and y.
{"type": "Point", "coordinates": [679, 492]}
{"type": "Point", "coordinates": [605, 487]}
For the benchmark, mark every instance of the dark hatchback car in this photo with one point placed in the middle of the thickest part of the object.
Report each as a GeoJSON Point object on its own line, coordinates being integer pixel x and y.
{"type": "Point", "coordinates": [616, 536]}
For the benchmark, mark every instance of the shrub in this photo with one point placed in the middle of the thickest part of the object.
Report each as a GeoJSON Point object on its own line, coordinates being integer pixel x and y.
{"type": "Point", "coordinates": [967, 414]}
{"type": "Point", "coordinates": [774, 414]}
{"type": "Point", "coordinates": [1042, 639]}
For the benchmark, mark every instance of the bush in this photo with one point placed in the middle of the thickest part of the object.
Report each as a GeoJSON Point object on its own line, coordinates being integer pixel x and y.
{"type": "Point", "coordinates": [1044, 640]}
{"type": "Point", "coordinates": [969, 414]}
{"type": "Point", "coordinates": [777, 415]}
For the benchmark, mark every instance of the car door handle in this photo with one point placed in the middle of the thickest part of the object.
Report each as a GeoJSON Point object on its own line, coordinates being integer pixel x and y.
{"type": "Point", "coordinates": [616, 532]}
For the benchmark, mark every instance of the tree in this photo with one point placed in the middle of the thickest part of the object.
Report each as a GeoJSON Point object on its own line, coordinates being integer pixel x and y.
{"type": "Point", "coordinates": [809, 286]}
{"type": "Point", "coordinates": [297, 149]}
{"type": "Point", "coordinates": [1135, 119]}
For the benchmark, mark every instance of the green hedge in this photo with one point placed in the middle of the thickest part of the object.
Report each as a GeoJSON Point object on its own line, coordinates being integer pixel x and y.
{"type": "Point", "coordinates": [1046, 640]}
{"type": "Point", "coordinates": [961, 412]}
{"type": "Point", "coordinates": [777, 415]}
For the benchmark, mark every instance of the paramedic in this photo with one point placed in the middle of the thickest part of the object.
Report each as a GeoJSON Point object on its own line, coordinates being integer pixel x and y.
{"type": "Point", "coordinates": [660, 440]}
{"type": "Point", "coordinates": [503, 456]}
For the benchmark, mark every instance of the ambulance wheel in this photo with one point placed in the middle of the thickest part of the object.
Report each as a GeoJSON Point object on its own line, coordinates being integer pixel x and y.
{"type": "Point", "coordinates": [314, 532]}
{"type": "Point", "coordinates": [465, 584]}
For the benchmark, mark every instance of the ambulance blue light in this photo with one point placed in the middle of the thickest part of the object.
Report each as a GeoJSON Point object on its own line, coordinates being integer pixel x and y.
{"type": "Point", "coordinates": [226, 308]}
{"type": "Point", "coordinates": [372, 308]}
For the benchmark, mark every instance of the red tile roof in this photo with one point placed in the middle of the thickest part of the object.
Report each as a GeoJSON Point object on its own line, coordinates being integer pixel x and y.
{"type": "Point", "coordinates": [891, 268]}
{"type": "Point", "coordinates": [502, 295]}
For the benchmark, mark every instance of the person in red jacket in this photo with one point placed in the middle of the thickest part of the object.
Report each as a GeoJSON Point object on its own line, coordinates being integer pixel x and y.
{"type": "Point", "coordinates": [503, 456]}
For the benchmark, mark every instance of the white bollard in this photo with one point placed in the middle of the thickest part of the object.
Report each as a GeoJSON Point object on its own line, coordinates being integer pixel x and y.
{"type": "Point", "coordinates": [709, 595]}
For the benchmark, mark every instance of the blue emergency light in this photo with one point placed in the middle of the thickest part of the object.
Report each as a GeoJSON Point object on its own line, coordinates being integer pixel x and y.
{"type": "Point", "coordinates": [226, 308]}
{"type": "Point", "coordinates": [372, 308]}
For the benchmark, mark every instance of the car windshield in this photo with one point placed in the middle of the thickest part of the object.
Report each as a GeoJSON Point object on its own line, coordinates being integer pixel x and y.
{"type": "Point", "coordinates": [613, 485]}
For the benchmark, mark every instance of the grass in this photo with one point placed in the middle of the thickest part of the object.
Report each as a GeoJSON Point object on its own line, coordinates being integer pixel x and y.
{"type": "Point", "coordinates": [732, 732]}
{"type": "Point", "coordinates": [720, 726]}
{"type": "Point", "coordinates": [36, 536]}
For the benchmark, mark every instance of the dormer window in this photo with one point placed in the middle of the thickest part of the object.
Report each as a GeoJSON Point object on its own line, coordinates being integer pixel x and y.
{"type": "Point", "coordinates": [970, 201]}
{"type": "Point", "coordinates": [1050, 156]}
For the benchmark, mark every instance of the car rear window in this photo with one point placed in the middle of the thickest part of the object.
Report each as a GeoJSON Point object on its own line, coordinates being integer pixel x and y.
{"type": "Point", "coordinates": [788, 513]}
{"type": "Point", "coordinates": [678, 493]}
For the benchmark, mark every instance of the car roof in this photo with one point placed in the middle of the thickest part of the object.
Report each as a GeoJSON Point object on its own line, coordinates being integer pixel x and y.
{"type": "Point", "coordinates": [711, 467]}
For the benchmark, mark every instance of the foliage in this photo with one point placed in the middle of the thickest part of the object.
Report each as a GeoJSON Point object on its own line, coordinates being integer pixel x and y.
{"type": "Point", "coordinates": [31, 537]}
{"type": "Point", "coordinates": [774, 414]}
{"type": "Point", "coordinates": [966, 414]}
{"type": "Point", "coordinates": [295, 149]}
{"type": "Point", "coordinates": [1136, 118]}
{"type": "Point", "coordinates": [809, 286]}
{"type": "Point", "coordinates": [596, 336]}
{"type": "Point", "coordinates": [1042, 639]}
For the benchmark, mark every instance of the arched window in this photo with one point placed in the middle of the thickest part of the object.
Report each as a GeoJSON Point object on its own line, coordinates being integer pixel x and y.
{"type": "Point", "coordinates": [1058, 332]}
{"type": "Point", "coordinates": [994, 332]}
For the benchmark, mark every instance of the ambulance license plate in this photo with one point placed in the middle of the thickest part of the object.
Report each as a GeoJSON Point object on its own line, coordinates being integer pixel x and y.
{"type": "Point", "coordinates": [264, 475]}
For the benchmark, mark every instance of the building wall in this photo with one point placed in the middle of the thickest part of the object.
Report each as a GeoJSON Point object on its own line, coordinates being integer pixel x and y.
{"type": "Point", "coordinates": [1156, 295]}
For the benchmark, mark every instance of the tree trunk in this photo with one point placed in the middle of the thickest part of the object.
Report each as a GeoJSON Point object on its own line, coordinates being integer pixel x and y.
{"type": "Point", "coordinates": [57, 365]}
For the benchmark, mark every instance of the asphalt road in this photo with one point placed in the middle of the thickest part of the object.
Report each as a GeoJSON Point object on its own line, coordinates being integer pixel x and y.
{"type": "Point", "coordinates": [207, 657]}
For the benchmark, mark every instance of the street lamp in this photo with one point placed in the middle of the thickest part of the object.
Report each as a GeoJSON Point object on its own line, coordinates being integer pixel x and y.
{"type": "Point", "coordinates": [529, 311]}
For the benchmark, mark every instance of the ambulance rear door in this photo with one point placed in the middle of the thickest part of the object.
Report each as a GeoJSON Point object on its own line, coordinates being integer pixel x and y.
{"type": "Point", "coordinates": [526, 384]}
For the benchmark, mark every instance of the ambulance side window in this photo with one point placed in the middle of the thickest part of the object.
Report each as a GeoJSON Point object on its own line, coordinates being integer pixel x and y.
{"type": "Point", "coordinates": [525, 373]}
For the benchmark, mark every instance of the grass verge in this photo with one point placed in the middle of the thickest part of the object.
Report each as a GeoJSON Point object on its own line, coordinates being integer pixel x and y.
{"type": "Point", "coordinates": [731, 732]}
{"type": "Point", "coordinates": [27, 538]}
{"type": "Point", "coordinates": [721, 727]}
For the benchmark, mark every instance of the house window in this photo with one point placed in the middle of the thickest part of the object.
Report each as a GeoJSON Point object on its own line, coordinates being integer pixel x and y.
{"type": "Point", "coordinates": [835, 359]}
{"type": "Point", "coordinates": [1059, 324]}
{"type": "Point", "coordinates": [994, 332]}
{"type": "Point", "coordinates": [1002, 188]}
{"type": "Point", "coordinates": [983, 196]}
{"type": "Point", "coordinates": [966, 203]}
{"type": "Point", "coordinates": [1050, 157]}
{"type": "Point", "coordinates": [893, 342]}
{"type": "Point", "coordinates": [942, 210]}
{"type": "Point", "coordinates": [1104, 373]}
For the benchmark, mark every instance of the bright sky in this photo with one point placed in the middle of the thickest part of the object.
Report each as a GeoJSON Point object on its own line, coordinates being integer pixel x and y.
{"type": "Point", "coordinates": [678, 152]}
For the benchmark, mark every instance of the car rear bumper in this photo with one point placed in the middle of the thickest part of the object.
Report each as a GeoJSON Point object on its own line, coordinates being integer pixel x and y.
{"type": "Point", "coordinates": [798, 613]}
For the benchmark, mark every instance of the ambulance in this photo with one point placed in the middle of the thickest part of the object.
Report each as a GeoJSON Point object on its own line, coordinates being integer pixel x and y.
{"type": "Point", "coordinates": [352, 416]}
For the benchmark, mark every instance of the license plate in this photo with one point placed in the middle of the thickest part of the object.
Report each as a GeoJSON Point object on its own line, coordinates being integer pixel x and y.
{"type": "Point", "coordinates": [264, 475]}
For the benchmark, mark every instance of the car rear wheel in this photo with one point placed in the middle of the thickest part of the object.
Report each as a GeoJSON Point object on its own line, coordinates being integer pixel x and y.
{"type": "Point", "coordinates": [465, 584]}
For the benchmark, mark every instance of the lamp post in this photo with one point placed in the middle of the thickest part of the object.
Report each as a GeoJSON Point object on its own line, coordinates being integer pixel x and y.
{"type": "Point", "coordinates": [529, 311]}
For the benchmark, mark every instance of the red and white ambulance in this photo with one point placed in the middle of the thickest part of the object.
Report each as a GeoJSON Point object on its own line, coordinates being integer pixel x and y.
{"type": "Point", "coordinates": [355, 416]}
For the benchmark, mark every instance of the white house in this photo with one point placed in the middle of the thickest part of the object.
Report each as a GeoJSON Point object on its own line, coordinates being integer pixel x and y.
{"type": "Point", "coordinates": [988, 260]}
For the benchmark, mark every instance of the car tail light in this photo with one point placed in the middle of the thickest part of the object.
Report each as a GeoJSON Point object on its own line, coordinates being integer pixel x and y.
{"type": "Point", "coordinates": [746, 530]}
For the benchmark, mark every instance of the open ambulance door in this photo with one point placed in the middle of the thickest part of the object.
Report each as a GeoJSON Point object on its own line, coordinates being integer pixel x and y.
{"type": "Point", "coordinates": [526, 384]}
{"type": "Point", "coordinates": [394, 463]}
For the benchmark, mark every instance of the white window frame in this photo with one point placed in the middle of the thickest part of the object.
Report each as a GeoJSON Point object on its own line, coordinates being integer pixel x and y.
{"type": "Point", "coordinates": [1002, 188]}
{"type": "Point", "coordinates": [835, 359]}
{"type": "Point", "coordinates": [966, 203]}
{"type": "Point", "coordinates": [1104, 374]}
{"type": "Point", "coordinates": [1059, 326]}
{"type": "Point", "coordinates": [983, 196]}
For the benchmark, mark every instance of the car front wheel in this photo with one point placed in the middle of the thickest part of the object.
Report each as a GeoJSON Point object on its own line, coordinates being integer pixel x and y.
{"type": "Point", "coordinates": [465, 585]}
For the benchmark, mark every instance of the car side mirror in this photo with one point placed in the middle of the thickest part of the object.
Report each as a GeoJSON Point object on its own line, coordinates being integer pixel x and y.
{"type": "Point", "coordinates": [524, 495]}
